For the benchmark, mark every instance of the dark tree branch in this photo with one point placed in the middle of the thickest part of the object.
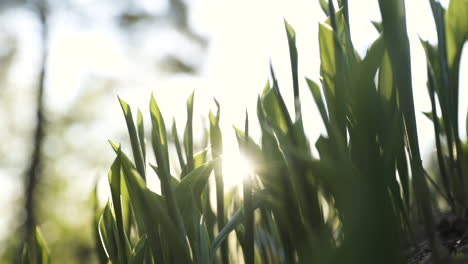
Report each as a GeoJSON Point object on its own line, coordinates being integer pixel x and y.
{"type": "Point", "coordinates": [33, 171]}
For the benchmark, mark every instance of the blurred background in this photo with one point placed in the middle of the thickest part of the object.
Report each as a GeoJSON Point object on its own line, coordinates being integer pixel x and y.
{"type": "Point", "coordinates": [63, 63]}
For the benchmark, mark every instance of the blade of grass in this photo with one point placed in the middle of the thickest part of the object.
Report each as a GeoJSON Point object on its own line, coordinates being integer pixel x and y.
{"type": "Point", "coordinates": [115, 184]}
{"type": "Point", "coordinates": [339, 79]}
{"type": "Point", "coordinates": [35, 251]}
{"type": "Point", "coordinates": [188, 135]}
{"type": "Point", "coordinates": [135, 142]}
{"type": "Point", "coordinates": [216, 152]}
{"type": "Point", "coordinates": [291, 34]}
{"type": "Point", "coordinates": [315, 90]}
{"type": "Point", "coordinates": [236, 220]}
{"type": "Point", "coordinates": [101, 254]}
{"type": "Point", "coordinates": [397, 44]}
{"type": "Point", "coordinates": [141, 135]}
{"type": "Point", "coordinates": [249, 254]}
{"type": "Point", "coordinates": [346, 13]}
{"type": "Point", "coordinates": [451, 93]}
{"type": "Point", "coordinates": [138, 253]}
{"type": "Point", "coordinates": [175, 136]}
{"type": "Point", "coordinates": [324, 6]}
{"type": "Point", "coordinates": [437, 134]}
{"type": "Point", "coordinates": [282, 105]}
{"type": "Point", "coordinates": [162, 157]}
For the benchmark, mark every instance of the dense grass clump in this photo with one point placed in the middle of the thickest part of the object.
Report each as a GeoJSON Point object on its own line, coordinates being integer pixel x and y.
{"type": "Point", "coordinates": [363, 200]}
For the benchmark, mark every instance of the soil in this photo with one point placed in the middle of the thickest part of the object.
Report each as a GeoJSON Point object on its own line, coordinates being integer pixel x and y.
{"type": "Point", "coordinates": [452, 232]}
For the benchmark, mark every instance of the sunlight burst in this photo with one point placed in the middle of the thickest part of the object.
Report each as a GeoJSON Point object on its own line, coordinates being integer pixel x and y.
{"type": "Point", "coordinates": [235, 168]}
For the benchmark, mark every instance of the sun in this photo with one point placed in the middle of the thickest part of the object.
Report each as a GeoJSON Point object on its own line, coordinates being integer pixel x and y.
{"type": "Point", "coordinates": [235, 168]}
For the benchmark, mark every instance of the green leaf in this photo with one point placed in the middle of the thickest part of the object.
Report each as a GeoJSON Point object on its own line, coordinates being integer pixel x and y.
{"type": "Point", "coordinates": [156, 219]}
{"type": "Point", "coordinates": [162, 157]}
{"type": "Point", "coordinates": [141, 135]}
{"type": "Point", "coordinates": [35, 251]}
{"type": "Point", "coordinates": [138, 254]}
{"type": "Point", "coordinates": [196, 180]}
{"type": "Point", "coordinates": [324, 6]}
{"type": "Point", "coordinates": [386, 85]}
{"type": "Point", "coordinates": [159, 137]}
{"type": "Point", "coordinates": [363, 94]}
{"type": "Point", "coordinates": [216, 140]}
{"type": "Point", "coordinates": [443, 93]}
{"type": "Point", "coordinates": [123, 156]}
{"type": "Point", "coordinates": [232, 224]}
{"type": "Point", "coordinates": [249, 249]}
{"type": "Point", "coordinates": [275, 114]}
{"type": "Point", "coordinates": [457, 31]}
{"type": "Point", "coordinates": [291, 34]}
{"type": "Point", "coordinates": [215, 135]}
{"type": "Point", "coordinates": [204, 254]}
{"type": "Point", "coordinates": [175, 136]}
{"type": "Point", "coordinates": [373, 58]}
{"type": "Point", "coordinates": [135, 142]}
{"type": "Point", "coordinates": [200, 158]}
{"type": "Point", "coordinates": [97, 212]}
{"type": "Point", "coordinates": [279, 97]}
{"type": "Point", "coordinates": [115, 185]}
{"type": "Point", "coordinates": [109, 236]}
{"type": "Point", "coordinates": [315, 90]}
{"type": "Point", "coordinates": [328, 66]}
{"type": "Point", "coordinates": [249, 148]}
{"type": "Point", "coordinates": [377, 26]}
{"type": "Point", "coordinates": [430, 116]}
{"type": "Point", "coordinates": [456, 27]}
{"type": "Point", "coordinates": [188, 134]}
{"type": "Point", "coordinates": [397, 45]}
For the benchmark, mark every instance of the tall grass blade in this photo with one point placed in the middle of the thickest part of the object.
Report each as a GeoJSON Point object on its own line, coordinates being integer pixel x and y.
{"type": "Point", "coordinates": [114, 177]}
{"type": "Point", "coordinates": [291, 34]}
{"type": "Point", "coordinates": [315, 90]}
{"type": "Point", "coordinates": [134, 140]}
{"type": "Point", "coordinates": [162, 157]}
{"type": "Point", "coordinates": [249, 254]}
{"type": "Point", "coordinates": [397, 44]}
{"type": "Point", "coordinates": [138, 253]}
{"type": "Point", "coordinates": [216, 152]}
{"type": "Point", "coordinates": [35, 251]}
{"type": "Point", "coordinates": [175, 136]}
{"type": "Point", "coordinates": [141, 135]}
{"type": "Point", "coordinates": [188, 134]}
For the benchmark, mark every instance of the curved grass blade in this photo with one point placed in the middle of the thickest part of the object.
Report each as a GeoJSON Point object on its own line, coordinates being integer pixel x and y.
{"type": "Point", "coordinates": [141, 135]}
{"type": "Point", "coordinates": [397, 44]}
{"type": "Point", "coordinates": [315, 90]}
{"type": "Point", "coordinates": [180, 156]}
{"type": "Point", "coordinates": [291, 34]}
{"type": "Point", "coordinates": [115, 185]}
{"type": "Point", "coordinates": [135, 142]}
{"type": "Point", "coordinates": [162, 157]}
{"type": "Point", "coordinates": [138, 253]}
{"type": "Point", "coordinates": [155, 219]}
{"type": "Point", "coordinates": [188, 134]}
{"type": "Point", "coordinates": [216, 151]}
{"type": "Point", "coordinates": [35, 251]}
{"type": "Point", "coordinates": [249, 250]}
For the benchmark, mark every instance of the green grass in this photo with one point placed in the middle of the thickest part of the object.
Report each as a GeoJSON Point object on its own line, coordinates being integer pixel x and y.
{"type": "Point", "coordinates": [360, 201]}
